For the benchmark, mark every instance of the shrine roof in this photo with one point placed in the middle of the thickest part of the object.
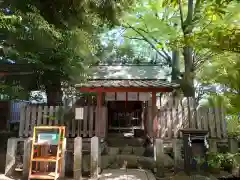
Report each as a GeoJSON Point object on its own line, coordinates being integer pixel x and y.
{"type": "Point", "coordinates": [129, 72]}
{"type": "Point", "coordinates": [127, 83]}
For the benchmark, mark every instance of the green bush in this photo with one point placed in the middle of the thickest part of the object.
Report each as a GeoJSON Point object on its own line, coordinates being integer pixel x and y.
{"type": "Point", "coordinates": [225, 161]}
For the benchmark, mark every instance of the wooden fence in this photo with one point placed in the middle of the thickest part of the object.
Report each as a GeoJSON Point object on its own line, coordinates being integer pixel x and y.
{"type": "Point", "coordinates": [31, 116]}
{"type": "Point", "coordinates": [172, 116]}
{"type": "Point", "coordinates": [180, 113]}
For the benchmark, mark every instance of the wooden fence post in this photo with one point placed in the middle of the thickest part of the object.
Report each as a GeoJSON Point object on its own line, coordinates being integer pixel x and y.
{"type": "Point", "coordinates": [77, 168]}
{"type": "Point", "coordinates": [95, 155]}
{"type": "Point", "coordinates": [22, 121]}
{"type": "Point", "coordinates": [159, 157]}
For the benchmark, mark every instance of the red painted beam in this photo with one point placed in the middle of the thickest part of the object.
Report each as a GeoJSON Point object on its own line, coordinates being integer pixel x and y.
{"type": "Point", "coordinates": [3, 73]}
{"type": "Point", "coordinates": [125, 89]}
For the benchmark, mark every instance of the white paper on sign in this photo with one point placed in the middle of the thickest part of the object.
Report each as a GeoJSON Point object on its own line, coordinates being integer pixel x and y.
{"type": "Point", "coordinates": [110, 96]}
{"type": "Point", "coordinates": [132, 96]}
{"type": "Point", "coordinates": [79, 113]}
{"type": "Point", "coordinates": [144, 96]}
{"type": "Point", "coordinates": [121, 96]}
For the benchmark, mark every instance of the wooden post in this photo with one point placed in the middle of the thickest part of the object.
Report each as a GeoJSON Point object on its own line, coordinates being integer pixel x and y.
{"type": "Point", "coordinates": [159, 157]}
{"type": "Point", "coordinates": [22, 120]}
{"type": "Point", "coordinates": [155, 128]}
{"type": "Point", "coordinates": [27, 157]}
{"type": "Point", "coordinates": [95, 155]}
{"type": "Point", "coordinates": [151, 120]}
{"type": "Point", "coordinates": [77, 171]}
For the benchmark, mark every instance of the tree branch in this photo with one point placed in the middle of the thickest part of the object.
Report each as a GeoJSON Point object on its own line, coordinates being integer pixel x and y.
{"type": "Point", "coordinates": [134, 38]}
{"type": "Point", "coordinates": [181, 13]}
{"type": "Point", "coordinates": [168, 58]}
{"type": "Point", "coordinates": [190, 12]}
{"type": "Point", "coordinates": [197, 7]}
{"type": "Point", "coordinates": [200, 60]}
{"type": "Point", "coordinates": [150, 43]}
{"type": "Point", "coordinates": [187, 29]}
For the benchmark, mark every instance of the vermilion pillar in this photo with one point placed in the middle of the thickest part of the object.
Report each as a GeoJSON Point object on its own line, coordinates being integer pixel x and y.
{"type": "Point", "coordinates": [98, 118]}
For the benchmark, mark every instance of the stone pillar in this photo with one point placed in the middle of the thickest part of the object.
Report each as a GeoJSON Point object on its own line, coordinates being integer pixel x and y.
{"type": "Point", "coordinates": [95, 155]}
{"type": "Point", "coordinates": [212, 145]}
{"type": "Point", "coordinates": [77, 167]}
{"type": "Point", "coordinates": [63, 158]}
{"type": "Point", "coordinates": [159, 157]}
{"type": "Point", "coordinates": [27, 157]}
{"type": "Point", "coordinates": [233, 145]}
{"type": "Point", "coordinates": [10, 155]}
{"type": "Point", "coordinates": [233, 148]}
{"type": "Point", "coordinates": [177, 145]}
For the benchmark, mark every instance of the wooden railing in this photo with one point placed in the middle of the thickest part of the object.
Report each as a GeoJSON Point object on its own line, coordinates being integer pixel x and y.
{"type": "Point", "coordinates": [180, 114]}
{"type": "Point", "coordinates": [31, 116]}
{"type": "Point", "coordinates": [170, 119]}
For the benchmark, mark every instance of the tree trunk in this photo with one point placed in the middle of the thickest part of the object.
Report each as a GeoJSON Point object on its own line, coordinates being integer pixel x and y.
{"type": "Point", "coordinates": [54, 93]}
{"type": "Point", "coordinates": [188, 77]}
{"type": "Point", "coordinates": [175, 66]}
{"type": "Point", "coordinates": [187, 82]}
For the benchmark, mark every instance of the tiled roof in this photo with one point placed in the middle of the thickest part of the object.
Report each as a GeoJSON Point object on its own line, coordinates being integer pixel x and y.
{"type": "Point", "coordinates": [141, 83]}
{"type": "Point", "coordinates": [129, 72]}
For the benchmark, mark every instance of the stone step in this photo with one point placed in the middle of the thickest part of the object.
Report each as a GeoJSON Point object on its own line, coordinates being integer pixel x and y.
{"type": "Point", "coordinates": [127, 161]}
{"type": "Point", "coordinates": [119, 141]}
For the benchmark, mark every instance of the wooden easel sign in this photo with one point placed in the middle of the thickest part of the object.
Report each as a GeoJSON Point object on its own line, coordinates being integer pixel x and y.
{"type": "Point", "coordinates": [48, 138]}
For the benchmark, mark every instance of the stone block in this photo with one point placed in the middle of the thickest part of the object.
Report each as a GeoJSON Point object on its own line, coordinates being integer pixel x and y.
{"type": "Point", "coordinates": [146, 163]}
{"type": "Point", "coordinates": [127, 150]}
{"type": "Point", "coordinates": [138, 151]}
{"type": "Point", "coordinates": [130, 161]}
{"type": "Point", "coordinates": [107, 161]}
{"type": "Point", "coordinates": [113, 150]}
{"type": "Point", "coordinates": [233, 145]}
